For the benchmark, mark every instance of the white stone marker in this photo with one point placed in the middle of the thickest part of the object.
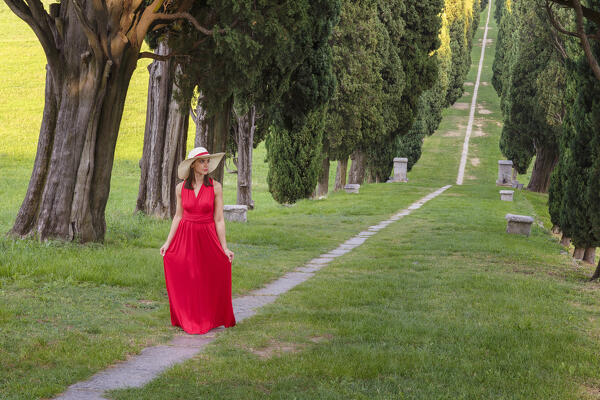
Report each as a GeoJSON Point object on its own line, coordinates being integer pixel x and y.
{"type": "Point", "coordinates": [352, 188]}
{"type": "Point", "coordinates": [504, 173]}
{"type": "Point", "coordinates": [506, 195]}
{"type": "Point", "coordinates": [518, 224]}
{"type": "Point", "coordinates": [400, 169]}
{"type": "Point", "coordinates": [237, 213]}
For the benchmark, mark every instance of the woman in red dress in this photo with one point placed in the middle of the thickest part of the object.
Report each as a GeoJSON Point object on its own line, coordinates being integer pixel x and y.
{"type": "Point", "coordinates": [196, 259]}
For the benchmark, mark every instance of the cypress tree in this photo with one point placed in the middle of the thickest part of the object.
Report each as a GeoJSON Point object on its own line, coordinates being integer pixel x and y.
{"type": "Point", "coordinates": [574, 198]}
{"type": "Point", "coordinates": [295, 140]}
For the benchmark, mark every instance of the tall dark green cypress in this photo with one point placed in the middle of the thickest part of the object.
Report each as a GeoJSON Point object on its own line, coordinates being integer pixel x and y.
{"type": "Point", "coordinates": [294, 143]}
{"type": "Point", "coordinates": [574, 194]}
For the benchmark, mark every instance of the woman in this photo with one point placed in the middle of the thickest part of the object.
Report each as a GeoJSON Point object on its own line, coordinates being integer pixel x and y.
{"type": "Point", "coordinates": [196, 259]}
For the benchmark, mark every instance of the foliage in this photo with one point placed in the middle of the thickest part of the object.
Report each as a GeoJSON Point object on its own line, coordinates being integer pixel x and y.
{"type": "Point", "coordinates": [529, 77]}
{"type": "Point", "coordinates": [421, 22]}
{"type": "Point", "coordinates": [574, 197]}
{"type": "Point", "coordinates": [354, 115]}
{"type": "Point", "coordinates": [295, 142]}
{"type": "Point", "coordinates": [453, 60]}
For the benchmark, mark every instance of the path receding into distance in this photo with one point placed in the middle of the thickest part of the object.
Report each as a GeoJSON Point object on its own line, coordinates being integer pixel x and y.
{"type": "Point", "coordinates": [465, 150]}
{"type": "Point", "coordinates": [152, 361]}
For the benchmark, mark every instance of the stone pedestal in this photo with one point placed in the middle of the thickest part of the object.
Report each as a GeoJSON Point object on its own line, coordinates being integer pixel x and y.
{"type": "Point", "coordinates": [352, 188]}
{"type": "Point", "coordinates": [518, 224]}
{"type": "Point", "coordinates": [400, 169]}
{"type": "Point", "coordinates": [504, 173]}
{"type": "Point", "coordinates": [237, 213]}
{"type": "Point", "coordinates": [506, 195]}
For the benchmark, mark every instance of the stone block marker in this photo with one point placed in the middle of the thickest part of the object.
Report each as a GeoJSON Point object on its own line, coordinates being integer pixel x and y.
{"type": "Point", "coordinates": [504, 173]}
{"type": "Point", "coordinates": [518, 224]}
{"type": "Point", "coordinates": [237, 213]}
{"type": "Point", "coordinates": [400, 169]}
{"type": "Point", "coordinates": [352, 188]}
{"type": "Point", "coordinates": [506, 195]}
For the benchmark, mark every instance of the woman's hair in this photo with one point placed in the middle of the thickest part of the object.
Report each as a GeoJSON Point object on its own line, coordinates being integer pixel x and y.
{"type": "Point", "coordinates": [189, 182]}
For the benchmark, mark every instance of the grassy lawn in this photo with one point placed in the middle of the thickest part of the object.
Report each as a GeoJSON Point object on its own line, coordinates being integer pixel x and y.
{"type": "Point", "coordinates": [442, 304]}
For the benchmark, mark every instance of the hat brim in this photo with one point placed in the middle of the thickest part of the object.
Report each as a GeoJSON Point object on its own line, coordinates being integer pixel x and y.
{"type": "Point", "coordinates": [183, 169]}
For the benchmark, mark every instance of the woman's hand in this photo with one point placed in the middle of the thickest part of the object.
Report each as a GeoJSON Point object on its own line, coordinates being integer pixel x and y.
{"type": "Point", "coordinates": [229, 254]}
{"type": "Point", "coordinates": [164, 249]}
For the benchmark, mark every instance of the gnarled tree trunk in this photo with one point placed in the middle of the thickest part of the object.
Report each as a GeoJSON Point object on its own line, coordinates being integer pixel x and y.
{"type": "Point", "coordinates": [565, 240]}
{"type": "Point", "coordinates": [546, 158]}
{"type": "Point", "coordinates": [165, 139]}
{"type": "Point", "coordinates": [340, 174]}
{"type": "Point", "coordinates": [91, 49]}
{"type": "Point", "coordinates": [246, 125]}
{"type": "Point", "coordinates": [578, 253]}
{"type": "Point", "coordinates": [357, 169]}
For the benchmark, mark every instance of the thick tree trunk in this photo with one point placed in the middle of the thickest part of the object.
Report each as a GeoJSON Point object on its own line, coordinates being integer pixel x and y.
{"type": "Point", "coordinates": [357, 170]}
{"type": "Point", "coordinates": [590, 255]}
{"type": "Point", "coordinates": [165, 140]}
{"type": "Point", "coordinates": [565, 240]}
{"type": "Point", "coordinates": [323, 184]}
{"type": "Point", "coordinates": [546, 158]}
{"type": "Point", "coordinates": [246, 125]}
{"type": "Point", "coordinates": [91, 49]}
{"type": "Point", "coordinates": [67, 195]}
{"type": "Point", "coordinates": [217, 128]}
{"type": "Point", "coordinates": [578, 253]}
{"type": "Point", "coordinates": [596, 273]}
{"type": "Point", "coordinates": [340, 174]}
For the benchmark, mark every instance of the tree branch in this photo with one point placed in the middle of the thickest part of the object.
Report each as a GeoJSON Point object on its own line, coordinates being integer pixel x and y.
{"type": "Point", "coordinates": [584, 39]}
{"type": "Point", "coordinates": [555, 23]}
{"type": "Point", "coordinates": [88, 30]}
{"type": "Point", "coordinates": [587, 12]}
{"type": "Point", "coordinates": [39, 22]}
{"type": "Point", "coordinates": [159, 57]}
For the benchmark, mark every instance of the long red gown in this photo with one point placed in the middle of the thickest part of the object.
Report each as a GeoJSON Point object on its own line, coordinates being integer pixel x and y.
{"type": "Point", "coordinates": [197, 270]}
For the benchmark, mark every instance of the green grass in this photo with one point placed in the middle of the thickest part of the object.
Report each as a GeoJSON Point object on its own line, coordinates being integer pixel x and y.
{"type": "Point", "coordinates": [442, 304]}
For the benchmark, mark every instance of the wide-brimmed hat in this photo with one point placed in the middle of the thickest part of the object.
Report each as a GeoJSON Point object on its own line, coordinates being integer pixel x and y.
{"type": "Point", "coordinates": [183, 169]}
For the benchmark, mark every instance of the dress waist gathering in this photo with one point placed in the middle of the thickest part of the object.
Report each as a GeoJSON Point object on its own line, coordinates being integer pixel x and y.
{"type": "Point", "coordinates": [198, 219]}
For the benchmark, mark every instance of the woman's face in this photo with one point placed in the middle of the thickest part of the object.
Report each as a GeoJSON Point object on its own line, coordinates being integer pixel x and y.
{"type": "Point", "coordinates": [200, 166]}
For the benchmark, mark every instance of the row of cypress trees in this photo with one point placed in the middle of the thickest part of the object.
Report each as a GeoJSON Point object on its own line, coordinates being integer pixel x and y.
{"type": "Point", "coordinates": [460, 20]}
{"type": "Point", "coordinates": [550, 100]}
{"type": "Point", "coordinates": [397, 65]}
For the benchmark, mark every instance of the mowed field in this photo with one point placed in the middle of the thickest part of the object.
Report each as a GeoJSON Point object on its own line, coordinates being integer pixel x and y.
{"type": "Point", "coordinates": [441, 304]}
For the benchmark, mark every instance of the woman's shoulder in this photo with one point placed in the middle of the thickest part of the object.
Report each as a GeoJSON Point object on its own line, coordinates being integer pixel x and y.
{"type": "Point", "coordinates": [217, 185]}
{"type": "Point", "coordinates": [179, 187]}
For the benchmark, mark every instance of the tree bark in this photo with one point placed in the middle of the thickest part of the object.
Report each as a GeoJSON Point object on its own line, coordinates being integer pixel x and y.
{"type": "Point", "coordinates": [546, 158]}
{"type": "Point", "coordinates": [357, 170]}
{"type": "Point", "coordinates": [596, 273]}
{"type": "Point", "coordinates": [590, 255]}
{"type": "Point", "coordinates": [556, 229]}
{"type": "Point", "coordinates": [578, 253]}
{"type": "Point", "coordinates": [165, 139]}
{"type": "Point", "coordinates": [91, 53]}
{"type": "Point", "coordinates": [323, 184]}
{"type": "Point", "coordinates": [565, 240]}
{"type": "Point", "coordinates": [246, 126]}
{"type": "Point", "coordinates": [217, 128]}
{"type": "Point", "coordinates": [199, 117]}
{"type": "Point", "coordinates": [340, 174]}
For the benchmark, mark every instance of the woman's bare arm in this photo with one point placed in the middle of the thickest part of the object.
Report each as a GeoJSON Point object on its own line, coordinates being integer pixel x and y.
{"type": "Point", "coordinates": [220, 219]}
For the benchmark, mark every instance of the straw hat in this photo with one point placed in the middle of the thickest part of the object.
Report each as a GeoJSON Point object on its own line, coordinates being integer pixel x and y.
{"type": "Point", "coordinates": [183, 169]}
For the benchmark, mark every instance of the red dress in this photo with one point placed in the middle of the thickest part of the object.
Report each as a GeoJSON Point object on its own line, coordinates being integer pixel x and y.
{"type": "Point", "coordinates": [197, 270]}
